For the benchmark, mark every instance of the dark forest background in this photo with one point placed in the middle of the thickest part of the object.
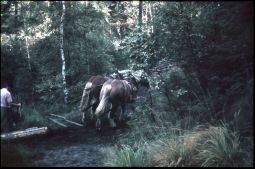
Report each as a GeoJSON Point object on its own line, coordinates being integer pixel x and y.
{"type": "Point", "coordinates": [197, 56]}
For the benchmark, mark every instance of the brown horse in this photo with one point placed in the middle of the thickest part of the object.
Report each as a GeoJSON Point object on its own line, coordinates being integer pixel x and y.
{"type": "Point", "coordinates": [115, 93]}
{"type": "Point", "coordinates": [90, 96]}
{"type": "Point", "coordinates": [91, 92]}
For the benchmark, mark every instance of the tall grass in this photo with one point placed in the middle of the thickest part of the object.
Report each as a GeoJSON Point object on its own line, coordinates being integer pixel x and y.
{"type": "Point", "coordinates": [220, 148]}
{"type": "Point", "coordinates": [179, 142]}
{"type": "Point", "coordinates": [126, 156]}
{"type": "Point", "coordinates": [36, 115]}
{"type": "Point", "coordinates": [31, 117]}
{"type": "Point", "coordinates": [169, 153]}
{"type": "Point", "coordinates": [212, 147]}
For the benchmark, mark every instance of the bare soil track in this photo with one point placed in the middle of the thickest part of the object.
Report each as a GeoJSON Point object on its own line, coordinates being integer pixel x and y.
{"type": "Point", "coordinates": [69, 147]}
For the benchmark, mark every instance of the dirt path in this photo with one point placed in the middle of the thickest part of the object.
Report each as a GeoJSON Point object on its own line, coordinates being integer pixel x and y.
{"type": "Point", "coordinates": [77, 147]}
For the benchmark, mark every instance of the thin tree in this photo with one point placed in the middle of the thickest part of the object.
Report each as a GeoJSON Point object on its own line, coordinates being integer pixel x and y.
{"type": "Point", "coordinates": [140, 15]}
{"type": "Point", "coordinates": [151, 17]}
{"type": "Point", "coordinates": [65, 89]}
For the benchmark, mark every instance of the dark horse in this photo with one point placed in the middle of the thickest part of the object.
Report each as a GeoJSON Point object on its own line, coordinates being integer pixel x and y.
{"type": "Point", "coordinates": [115, 93]}
{"type": "Point", "coordinates": [90, 96]}
{"type": "Point", "coordinates": [91, 92]}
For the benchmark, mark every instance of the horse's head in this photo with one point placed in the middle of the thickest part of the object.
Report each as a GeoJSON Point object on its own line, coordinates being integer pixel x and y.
{"type": "Point", "coordinates": [144, 82]}
{"type": "Point", "coordinates": [138, 78]}
{"type": "Point", "coordinates": [116, 75]}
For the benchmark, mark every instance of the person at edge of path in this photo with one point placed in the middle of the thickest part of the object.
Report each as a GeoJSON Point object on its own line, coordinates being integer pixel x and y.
{"type": "Point", "coordinates": [7, 115]}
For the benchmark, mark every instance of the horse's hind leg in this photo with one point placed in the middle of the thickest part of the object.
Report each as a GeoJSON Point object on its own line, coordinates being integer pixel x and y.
{"type": "Point", "coordinates": [85, 100]}
{"type": "Point", "coordinates": [93, 109]}
{"type": "Point", "coordinates": [84, 113]}
{"type": "Point", "coordinates": [110, 118]}
{"type": "Point", "coordinates": [98, 115]}
{"type": "Point", "coordinates": [122, 112]}
{"type": "Point", "coordinates": [98, 124]}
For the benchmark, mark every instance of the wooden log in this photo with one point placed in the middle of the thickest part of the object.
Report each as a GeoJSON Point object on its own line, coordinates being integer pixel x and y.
{"type": "Point", "coordinates": [24, 133]}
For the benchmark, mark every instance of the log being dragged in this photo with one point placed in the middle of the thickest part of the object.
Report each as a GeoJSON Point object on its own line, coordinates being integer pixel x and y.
{"type": "Point", "coordinates": [24, 133]}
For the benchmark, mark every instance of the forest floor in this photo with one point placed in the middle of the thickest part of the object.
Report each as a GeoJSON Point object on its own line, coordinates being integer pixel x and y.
{"type": "Point", "coordinates": [69, 147]}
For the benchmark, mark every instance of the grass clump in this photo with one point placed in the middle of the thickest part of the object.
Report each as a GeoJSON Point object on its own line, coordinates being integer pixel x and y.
{"type": "Point", "coordinates": [204, 146]}
{"type": "Point", "coordinates": [211, 147]}
{"type": "Point", "coordinates": [220, 148]}
{"type": "Point", "coordinates": [126, 156]}
{"type": "Point", "coordinates": [170, 153]}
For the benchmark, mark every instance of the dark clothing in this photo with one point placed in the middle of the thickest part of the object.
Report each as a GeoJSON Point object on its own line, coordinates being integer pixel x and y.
{"type": "Point", "coordinates": [6, 119]}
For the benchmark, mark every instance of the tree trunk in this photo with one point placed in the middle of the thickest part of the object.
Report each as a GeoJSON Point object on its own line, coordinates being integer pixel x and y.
{"type": "Point", "coordinates": [26, 31]}
{"type": "Point", "coordinates": [16, 13]}
{"type": "Point", "coordinates": [140, 14]}
{"type": "Point", "coordinates": [65, 90]}
{"type": "Point", "coordinates": [88, 64]}
{"type": "Point", "coordinates": [150, 18]}
{"type": "Point", "coordinates": [28, 53]}
{"type": "Point", "coordinates": [146, 18]}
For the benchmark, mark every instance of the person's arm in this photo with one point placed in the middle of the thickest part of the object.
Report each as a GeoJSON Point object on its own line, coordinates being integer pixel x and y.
{"type": "Point", "coordinates": [16, 104]}
{"type": "Point", "coordinates": [9, 101]}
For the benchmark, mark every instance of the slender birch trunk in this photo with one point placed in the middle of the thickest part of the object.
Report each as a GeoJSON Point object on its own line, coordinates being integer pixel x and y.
{"type": "Point", "coordinates": [26, 32]}
{"type": "Point", "coordinates": [65, 90]}
{"type": "Point", "coordinates": [146, 19]}
{"type": "Point", "coordinates": [140, 21]}
{"type": "Point", "coordinates": [151, 17]}
{"type": "Point", "coordinates": [28, 53]}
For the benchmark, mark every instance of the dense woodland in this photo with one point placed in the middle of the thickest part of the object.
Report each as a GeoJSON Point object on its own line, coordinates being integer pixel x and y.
{"type": "Point", "coordinates": [197, 56]}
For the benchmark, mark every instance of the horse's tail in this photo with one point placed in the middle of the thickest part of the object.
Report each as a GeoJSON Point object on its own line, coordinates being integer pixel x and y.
{"type": "Point", "coordinates": [104, 101]}
{"type": "Point", "coordinates": [85, 96]}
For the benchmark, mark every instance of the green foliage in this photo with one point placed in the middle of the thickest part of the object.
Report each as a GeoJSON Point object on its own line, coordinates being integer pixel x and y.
{"type": "Point", "coordinates": [196, 37]}
{"type": "Point", "coordinates": [31, 117]}
{"type": "Point", "coordinates": [198, 57]}
{"type": "Point", "coordinates": [186, 141]}
{"type": "Point", "coordinates": [171, 153]}
{"type": "Point", "coordinates": [10, 17]}
{"type": "Point", "coordinates": [221, 148]}
{"type": "Point", "coordinates": [173, 146]}
{"type": "Point", "coordinates": [126, 156]}
{"type": "Point", "coordinates": [37, 115]}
